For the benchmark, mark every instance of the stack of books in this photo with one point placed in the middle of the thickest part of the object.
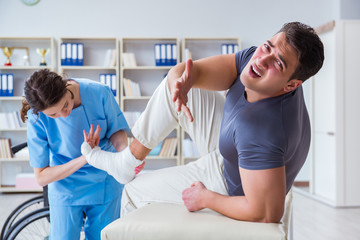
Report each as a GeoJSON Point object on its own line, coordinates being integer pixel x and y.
{"type": "Point", "coordinates": [10, 120]}
{"type": "Point", "coordinates": [110, 58]}
{"type": "Point", "coordinates": [128, 60]}
{"type": "Point", "coordinates": [5, 149]}
{"type": "Point", "coordinates": [131, 88]}
{"type": "Point", "coordinates": [168, 148]}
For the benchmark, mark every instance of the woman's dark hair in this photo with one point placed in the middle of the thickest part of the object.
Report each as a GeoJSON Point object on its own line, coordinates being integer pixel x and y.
{"type": "Point", "coordinates": [309, 48]}
{"type": "Point", "coordinates": [43, 89]}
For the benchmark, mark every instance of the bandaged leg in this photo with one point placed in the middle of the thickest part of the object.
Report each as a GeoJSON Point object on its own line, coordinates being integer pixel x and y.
{"type": "Point", "coordinates": [120, 165]}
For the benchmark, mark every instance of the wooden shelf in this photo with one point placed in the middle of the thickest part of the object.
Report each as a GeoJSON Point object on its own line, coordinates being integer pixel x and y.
{"type": "Point", "coordinates": [147, 68]}
{"type": "Point", "coordinates": [13, 189]}
{"type": "Point", "coordinates": [87, 68]}
{"type": "Point", "coordinates": [13, 129]}
{"type": "Point", "coordinates": [14, 159]}
{"type": "Point", "coordinates": [160, 158]}
{"type": "Point", "coordinates": [137, 98]}
{"type": "Point", "coordinates": [23, 67]}
{"type": "Point", "coordinates": [14, 98]}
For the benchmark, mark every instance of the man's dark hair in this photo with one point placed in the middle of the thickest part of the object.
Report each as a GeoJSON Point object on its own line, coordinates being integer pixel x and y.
{"type": "Point", "coordinates": [309, 48]}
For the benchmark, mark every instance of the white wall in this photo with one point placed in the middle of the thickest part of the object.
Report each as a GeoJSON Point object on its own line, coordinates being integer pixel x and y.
{"type": "Point", "coordinates": [253, 20]}
{"type": "Point", "coordinates": [349, 9]}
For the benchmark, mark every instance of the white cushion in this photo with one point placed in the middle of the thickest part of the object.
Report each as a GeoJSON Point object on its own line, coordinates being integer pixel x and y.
{"type": "Point", "coordinates": [164, 221]}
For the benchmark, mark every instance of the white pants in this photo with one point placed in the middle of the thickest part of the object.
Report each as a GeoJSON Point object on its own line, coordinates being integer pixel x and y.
{"type": "Point", "coordinates": [155, 123]}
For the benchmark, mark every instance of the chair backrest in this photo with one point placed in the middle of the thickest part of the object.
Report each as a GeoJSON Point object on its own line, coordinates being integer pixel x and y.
{"type": "Point", "coordinates": [18, 147]}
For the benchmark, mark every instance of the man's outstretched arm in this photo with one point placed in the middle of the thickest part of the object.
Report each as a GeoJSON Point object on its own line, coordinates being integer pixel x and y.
{"type": "Point", "coordinates": [215, 73]}
{"type": "Point", "coordinates": [265, 192]}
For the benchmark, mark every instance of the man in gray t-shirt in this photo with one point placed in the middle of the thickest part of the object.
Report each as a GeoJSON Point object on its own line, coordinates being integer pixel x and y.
{"type": "Point", "coordinates": [269, 133]}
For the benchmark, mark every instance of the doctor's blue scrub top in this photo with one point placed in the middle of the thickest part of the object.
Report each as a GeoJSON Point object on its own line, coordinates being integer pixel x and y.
{"type": "Point", "coordinates": [56, 141]}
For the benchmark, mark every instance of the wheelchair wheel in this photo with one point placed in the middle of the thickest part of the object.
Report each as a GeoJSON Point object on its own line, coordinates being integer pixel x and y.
{"type": "Point", "coordinates": [35, 225]}
{"type": "Point", "coordinates": [22, 210]}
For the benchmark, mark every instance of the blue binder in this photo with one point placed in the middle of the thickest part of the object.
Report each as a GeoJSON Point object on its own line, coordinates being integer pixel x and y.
{"type": "Point", "coordinates": [4, 88]}
{"type": "Point", "coordinates": [168, 60]}
{"type": "Point", "coordinates": [74, 54]}
{"type": "Point", "coordinates": [1, 85]}
{"type": "Point", "coordinates": [174, 54]}
{"type": "Point", "coordinates": [80, 57]}
{"type": "Point", "coordinates": [10, 84]}
{"type": "Point", "coordinates": [236, 48]}
{"type": "Point", "coordinates": [113, 84]}
{"type": "Point", "coordinates": [230, 48]}
{"type": "Point", "coordinates": [68, 59]}
{"type": "Point", "coordinates": [224, 48]}
{"type": "Point", "coordinates": [162, 54]}
{"type": "Point", "coordinates": [157, 54]}
{"type": "Point", "coordinates": [102, 78]}
{"type": "Point", "coordinates": [63, 53]}
{"type": "Point", "coordinates": [108, 80]}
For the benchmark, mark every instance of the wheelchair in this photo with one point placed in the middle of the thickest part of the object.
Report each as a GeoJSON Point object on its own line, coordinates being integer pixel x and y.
{"type": "Point", "coordinates": [35, 225]}
{"type": "Point", "coordinates": [31, 219]}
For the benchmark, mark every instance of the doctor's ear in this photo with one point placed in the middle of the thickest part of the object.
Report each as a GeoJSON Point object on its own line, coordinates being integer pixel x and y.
{"type": "Point", "coordinates": [292, 85]}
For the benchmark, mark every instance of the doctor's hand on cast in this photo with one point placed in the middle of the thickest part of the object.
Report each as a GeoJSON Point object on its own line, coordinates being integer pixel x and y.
{"type": "Point", "coordinates": [123, 166]}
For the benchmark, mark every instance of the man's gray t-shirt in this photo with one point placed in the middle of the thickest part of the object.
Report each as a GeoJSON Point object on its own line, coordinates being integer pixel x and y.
{"type": "Point", "coordinates": [266, 134]}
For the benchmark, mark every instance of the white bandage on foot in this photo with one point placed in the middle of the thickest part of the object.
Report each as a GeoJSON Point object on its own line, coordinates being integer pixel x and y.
{"type": "Point", "coordinates": [120, 165]}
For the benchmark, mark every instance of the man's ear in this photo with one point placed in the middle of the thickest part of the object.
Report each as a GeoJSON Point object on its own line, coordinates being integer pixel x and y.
{"type": "Point", "coordinates": [292, 85]}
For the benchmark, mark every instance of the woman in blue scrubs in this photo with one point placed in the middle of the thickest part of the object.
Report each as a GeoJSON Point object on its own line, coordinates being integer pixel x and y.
{"type": "Point", "coordinates": [58, 110]}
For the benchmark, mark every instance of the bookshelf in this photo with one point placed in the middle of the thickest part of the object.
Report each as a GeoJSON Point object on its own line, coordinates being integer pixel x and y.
{"type": "Point", "coordinates": [96, 56]}
{"type": "Point", "coordinates": [197, 48]}
{"type": "Point", "coordinates": [205, 47]}
{"type": "Point", "coordinates": [144, 72]}
{"type": "Point", "coordinates": [25, 59]}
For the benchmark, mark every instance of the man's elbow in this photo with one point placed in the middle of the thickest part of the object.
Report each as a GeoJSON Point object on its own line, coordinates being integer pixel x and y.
{"type": "Point", "coordinates": [267, 215]}
{"type": "Point", "coordinates": [272, 217]}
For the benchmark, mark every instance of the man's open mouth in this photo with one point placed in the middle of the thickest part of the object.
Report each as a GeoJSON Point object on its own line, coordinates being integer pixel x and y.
{"type": "Point", "coordinates": [255, 71]}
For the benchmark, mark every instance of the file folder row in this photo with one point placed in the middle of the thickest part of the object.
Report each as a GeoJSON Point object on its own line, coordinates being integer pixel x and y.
{"type": "Point", "coordinates": [165, 54]}
{"type": "Point", "coordinates": [72, 54]}
{"type": "Point", "coordinates": [229, 48]}
{"type": "Point", "coordinates": [6, 84]}
{"type": "Point", "coordinates": [109, 80]}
